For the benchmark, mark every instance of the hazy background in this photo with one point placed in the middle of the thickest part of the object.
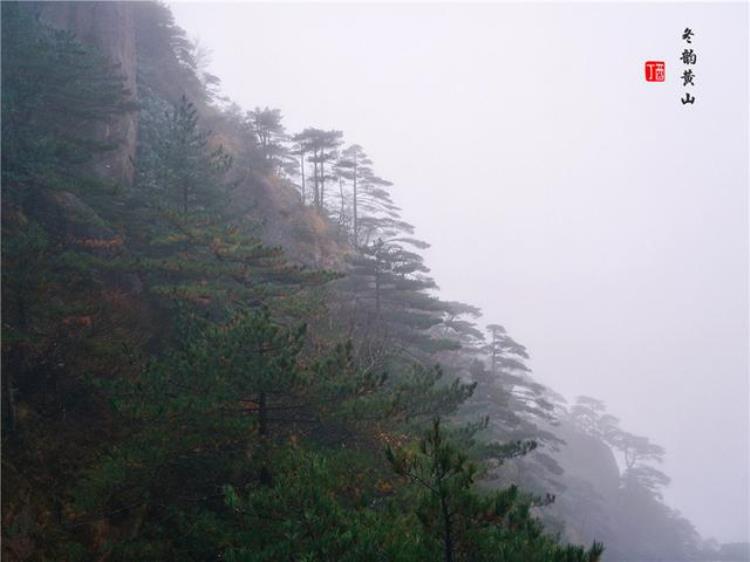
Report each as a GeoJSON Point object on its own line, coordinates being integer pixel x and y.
{"type": "Point", "coordinates": [603, 223]}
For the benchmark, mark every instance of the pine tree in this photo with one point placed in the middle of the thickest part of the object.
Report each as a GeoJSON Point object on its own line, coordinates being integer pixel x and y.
{"type": "Point", "coordinates": [266, 125]}
{"type": "Point", "coordinates": [187, 173]}
{"type": "Point", "coordinates": [469, 526]}
{"type": "Point", "coordinates": [55, 93]}
{"type": "Point", "coordinates": [195, 242]}
{"type": "Point", "coordinates": [321, 147]}
{"type": "Point", "coordinates": [386, 300]}
{"type": "Point", "coordinates": [368, 196]}
{"type": "Point", "coordinates": [172, 403]}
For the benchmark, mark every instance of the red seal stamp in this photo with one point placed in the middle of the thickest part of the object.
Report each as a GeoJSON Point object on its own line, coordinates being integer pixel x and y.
{"type": "Point", "coordinates": [655, 71]}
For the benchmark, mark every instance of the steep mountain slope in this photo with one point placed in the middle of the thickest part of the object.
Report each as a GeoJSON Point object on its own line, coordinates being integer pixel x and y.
{"type": "Point", "coordinates": [173, 380]}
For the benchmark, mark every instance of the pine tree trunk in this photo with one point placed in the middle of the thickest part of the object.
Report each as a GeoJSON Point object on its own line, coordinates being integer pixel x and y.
{"type": "Point", "coordinates": [341, 193]}
{"type": "Point", "coordinates": [377, 294]}
{"type": "Point", "coordinates": [322, 184]}
{"type": "Point", "coordinates": [447, 531]}
{"type": "Point", "coordinates": [13, 364]}
{"type": "Point", "coordinates": [265, 473]}
{"type": "Point", "coordinates": [302, 172]}
{"type": "Point", "coordinates": [494, 353]}
{"type": "Point", "coordinates": [354, 206]}
{"type": "Point", "coordinates": [10, 399]}
{"type": "Point", "coordinates": [316, 194]}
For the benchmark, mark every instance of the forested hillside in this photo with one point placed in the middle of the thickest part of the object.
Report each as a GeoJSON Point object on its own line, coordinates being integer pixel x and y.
{"type": "Point", "coordinates": [220, 340]}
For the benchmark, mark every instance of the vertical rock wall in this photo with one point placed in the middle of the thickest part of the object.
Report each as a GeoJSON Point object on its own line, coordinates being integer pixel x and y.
{"type": "Point", "coordinates": [109, 26]}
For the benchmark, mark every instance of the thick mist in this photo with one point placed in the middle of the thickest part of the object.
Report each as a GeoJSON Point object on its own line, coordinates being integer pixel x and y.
{"type": "Point", "coordinates": [590, 212]}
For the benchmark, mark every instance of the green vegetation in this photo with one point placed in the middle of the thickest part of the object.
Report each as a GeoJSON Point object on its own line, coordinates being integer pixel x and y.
{"type": "Point", "coordinates": [174, 388]}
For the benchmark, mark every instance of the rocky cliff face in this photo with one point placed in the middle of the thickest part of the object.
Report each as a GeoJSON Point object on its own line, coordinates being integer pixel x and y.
{"type": "Point", "coordinates": [592, 481]}
{"type": "Point", "coordinates": [587, 458]}
{"type": "Point", "coordinates": [108, 26]}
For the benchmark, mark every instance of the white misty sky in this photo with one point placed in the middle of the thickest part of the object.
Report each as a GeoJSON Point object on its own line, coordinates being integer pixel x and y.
{"type": "Point", "coordinates": [603, 223]}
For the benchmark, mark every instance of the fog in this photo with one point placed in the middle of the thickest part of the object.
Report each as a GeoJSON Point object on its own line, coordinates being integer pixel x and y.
{"type": "Point", "coordinates": [599, 219]}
